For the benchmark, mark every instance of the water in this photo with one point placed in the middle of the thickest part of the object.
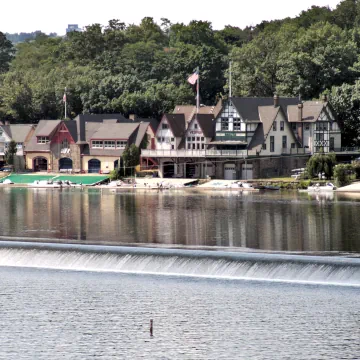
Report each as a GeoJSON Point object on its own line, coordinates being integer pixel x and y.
{"type": "Point", "coordinates": [85, 315]}
{"type": "Point", "coordinates": [275, 221]}
{"type": "Point", "coordinates": [83, 301]}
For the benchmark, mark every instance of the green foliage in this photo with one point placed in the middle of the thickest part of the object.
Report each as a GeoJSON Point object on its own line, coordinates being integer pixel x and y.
{"type": "Point", "coordinates": [130, 158]}
{"type": "Point", "coordinates": [342, 174]}
{"type": "Point", "coordinates": [143, 68]}
{"type": "Point", "coordinates": [321, 163]}
{"type": "Point", "coordinates": [356, 169]}
{"type": "Point", "coordinates": [114, 175]}
{"type": "Point", "coordinates": [6, 52]}
{"type": "Point", "coordinates": [11, 153]}
{"type": "Point", "coordinates": [304, 184]}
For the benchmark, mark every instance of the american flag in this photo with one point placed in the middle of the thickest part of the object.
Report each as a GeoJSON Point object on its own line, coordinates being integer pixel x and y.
{"type": "Point", "coordinates": [193, 78]}
{"type": "Point", "coordinates": [64, 97]}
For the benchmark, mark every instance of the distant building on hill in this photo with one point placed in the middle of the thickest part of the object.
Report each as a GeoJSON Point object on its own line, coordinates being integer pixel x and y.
{"type": "Point", "coordinates": [73, 27]}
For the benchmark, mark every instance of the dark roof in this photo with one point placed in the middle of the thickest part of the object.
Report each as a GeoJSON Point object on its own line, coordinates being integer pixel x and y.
{"type": "Point", "coordinates": [112, 131]}
{"type": "Point", "coordinates": [248, 107]}
{"type": "Point", "coordinates": [44, 128]}
{"type": "Point", "coordinates": [84, 118]}
{"type": "Point", "coordinates": [71, 126]}
{"type": "Point", "coordinates": [206, 123]}
{"type": "Point", "coordinates": [310, 112]}
{"type": "Point", "coordinates": [176, 123]}
{"type": "Point", "coordinates": [154, 123]}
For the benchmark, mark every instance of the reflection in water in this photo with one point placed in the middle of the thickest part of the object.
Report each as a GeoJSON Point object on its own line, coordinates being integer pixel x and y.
{"type": "Point", "coordinates": [287, 221]}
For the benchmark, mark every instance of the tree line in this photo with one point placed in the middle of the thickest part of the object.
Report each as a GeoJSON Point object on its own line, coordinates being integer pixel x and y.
{"type": "Point", "coordinates": [143, 68]}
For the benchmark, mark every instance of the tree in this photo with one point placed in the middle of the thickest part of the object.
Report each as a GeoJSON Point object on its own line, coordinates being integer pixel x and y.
{"type": "Point", "coordinates": [6, 53]}
{"type": "Point", "coordinates": [11, 153]}
{"type": "Point", "coordinates": [321, 163]}
{"type": "Point", "coordinates": [131, 157]}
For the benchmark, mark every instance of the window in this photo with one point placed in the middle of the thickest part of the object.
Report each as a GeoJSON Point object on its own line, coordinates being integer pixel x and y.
{"type": "Point", "coordinates": [193, 146]}
{"type": "Point", "coordinates": [65, 144]}
{"type": "Point", "coordinates": [96, 144]}
{"type": "Point", "coordinates": [330, 126]}
{"type": "Point", "coordinates": [284, 142]}
{"type": "Point", "coordinates": [121, 144]}
{"type": "Point", "coordinates": [42, 139]}
{"type": "Point", "coordinates": [198, 139]}
{"type": "Point", "coordinates": [189, 146]}
{"type": "Point", "coordinates": [165, 126]}
{"type": "Point", "coordinates": [193, 139]}
{"type": "Point", "coordinates": [319, 137]}
{"type": "Point", "coordinates": [172, 139]}
{"type": "Point", "coordinates": [162, 139]}
{"type": "Point", "coordinates": [198, 146]}
{"type": "Point", "coordinates": [189, 139]}
{"type": "Point", "coordinates": [109, 144]}
{"type": "Point", "coordinates": [172, 147]}
{"type": "Point", "coordinates": [274, 126]}
{"type": "Point", "coordinates": [237, 124]}
{"type": "Point", "coordinates": [293, 145]}
{"type": "Point", "coordinates": [159, 139]}
{"type": "Point", "coordinates": [202, 139]}
{"type": "Point", "coordinates": [202, 146]}
{"type": "Point", "coordinates": [264, 146]}
{"type": "Point", "coordinates": [195, 126]}
{"type": "Point", "coordinates": [282, 125]}
{"type": "Point", "coordinates": [272, 143]}
{"type": "Point", "coordinates": [307, 126]}
{"type": "Point", "coordinates": [224, 124]}
{"type": "Point", "coordinates": [19, 145]}
{"type": "Point", "coordinates": [293, 126]}
{"type": "Point", "coordinates": [332, 144]}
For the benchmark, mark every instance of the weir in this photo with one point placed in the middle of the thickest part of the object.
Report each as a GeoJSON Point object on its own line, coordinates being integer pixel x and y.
{"type": "Point", "coordinates": [334, 270]}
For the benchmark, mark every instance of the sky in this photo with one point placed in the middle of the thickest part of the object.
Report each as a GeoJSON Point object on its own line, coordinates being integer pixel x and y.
{"type": "Point", "coordinates": [50, 16]}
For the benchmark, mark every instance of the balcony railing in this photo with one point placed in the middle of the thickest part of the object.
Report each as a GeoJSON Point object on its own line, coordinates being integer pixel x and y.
{"type": "Point", "coordinates": [295, 151]}
{"type": "Point", "coordinates": [197, 153]}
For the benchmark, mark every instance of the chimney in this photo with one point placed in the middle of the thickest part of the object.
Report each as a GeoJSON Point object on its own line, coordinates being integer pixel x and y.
{"type": "Point", "coordinates": [300, 111]}
{"type": "Point", "coordinates": [276, 100]}
{"type": "Point", "coordinates": [7, 122]}
{"type": "Point", "coordinates": [324, 98]}
{"type": "Point", "coordinates": [132, 117]}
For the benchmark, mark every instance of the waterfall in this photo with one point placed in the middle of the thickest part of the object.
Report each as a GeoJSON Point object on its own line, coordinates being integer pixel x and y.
{"type": "Point", "coordinates": [332, 270]}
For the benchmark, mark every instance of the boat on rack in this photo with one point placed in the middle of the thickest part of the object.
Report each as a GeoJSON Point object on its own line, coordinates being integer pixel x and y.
{"type": "Point", "coordinates": [6, 182]}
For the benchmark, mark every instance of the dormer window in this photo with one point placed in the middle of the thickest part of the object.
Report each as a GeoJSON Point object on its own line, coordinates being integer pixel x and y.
{"type": "Point", "coordinates": [195, 126]}
{"type": "Point", "coordinates": [109, 144]}
{"type": "Point", "coordinates": [165, 126]}
{"type": "Point", "coordinates": [121, 144]}
{"type": "Point", "coordinates": [42, 139]}
{"type": "Point", "coordinates": [96, 144]}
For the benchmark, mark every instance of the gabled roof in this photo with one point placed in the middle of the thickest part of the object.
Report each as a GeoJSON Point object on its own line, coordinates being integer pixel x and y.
{"type": "Point", "coordinates": [44, 128]}
{"type": "Point", "coordinates": [154, 123]}
{"type": "Point", "coordinates": [190, 110]}
{"type": "Point", "coordinates": [71, 126]}
{"type": "Point", "coordinates": [140, 132]}
{"type": "Point", "coordinates": [310, 113]}
{"type": "Point", "coordinates": [248, 107]}
{"type": "Point", "coordinates": [17, 132]}
{"type": "Point", "coordinates": [206, 123]}
{"type": "Point", "coordinates": [267, 115]}
{"type": "Point", "coordinates": [176, 123]}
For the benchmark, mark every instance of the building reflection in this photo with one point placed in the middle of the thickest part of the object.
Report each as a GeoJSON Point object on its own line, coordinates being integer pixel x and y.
{"type": "Point", "coordinates": [280, 222]}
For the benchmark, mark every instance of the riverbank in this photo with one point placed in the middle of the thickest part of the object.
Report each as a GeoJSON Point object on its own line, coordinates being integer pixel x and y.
{"type": "Point", "coordinates": [355, 187]}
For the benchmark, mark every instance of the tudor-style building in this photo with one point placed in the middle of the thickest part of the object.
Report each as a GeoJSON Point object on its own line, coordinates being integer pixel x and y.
{"type": "Point", "coordinates": [251, 137]}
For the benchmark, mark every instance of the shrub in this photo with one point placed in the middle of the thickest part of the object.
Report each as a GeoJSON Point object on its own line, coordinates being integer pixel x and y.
{"type": "Point", "coordinates": [342, 173]}
{"type": "Point", "coordinates": [356, 168]}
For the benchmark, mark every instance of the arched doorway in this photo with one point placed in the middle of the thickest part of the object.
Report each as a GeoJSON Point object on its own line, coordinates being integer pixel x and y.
{"type": "Point", "coordinates": [40, 164]}
{"type": "Point", "coordinates": [65, 164]}
{"type": "Point", "coordinates": [94, 166]}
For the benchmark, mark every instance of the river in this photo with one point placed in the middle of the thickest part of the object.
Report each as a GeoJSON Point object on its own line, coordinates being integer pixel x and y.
{"type": "Point", "coordinates": [283, 283]}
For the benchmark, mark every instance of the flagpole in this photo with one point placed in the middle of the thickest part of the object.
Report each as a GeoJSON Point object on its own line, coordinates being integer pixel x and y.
{"type": "Point", "coordinates": [230, 89]}
{"type": "Point", "coordinates": [65, 103]}
{"type": "Point", "coordinates": [197, 92]}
